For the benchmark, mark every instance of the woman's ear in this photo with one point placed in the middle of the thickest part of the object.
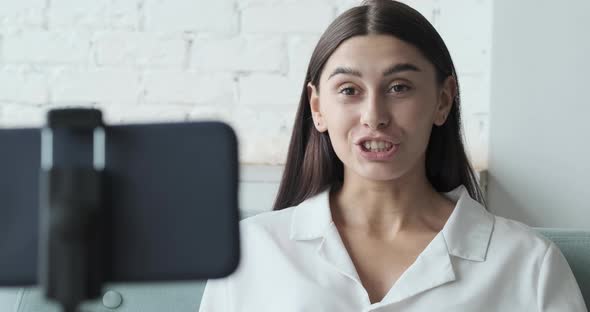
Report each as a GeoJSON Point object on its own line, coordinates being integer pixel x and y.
{"type": "Point", "coordinates": [314, 104]}
{"type": "Point", "coordinates": [445, 100]}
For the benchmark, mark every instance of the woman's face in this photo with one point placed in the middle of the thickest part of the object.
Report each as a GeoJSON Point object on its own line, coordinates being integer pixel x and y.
{"type": "Point", "coordinates": [379, 86]}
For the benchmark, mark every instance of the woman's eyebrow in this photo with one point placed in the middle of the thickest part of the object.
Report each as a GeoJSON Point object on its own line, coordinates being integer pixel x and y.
{"type": "Point", "coordinates": [346, 71]}
{"type": "Point", "coordinates": [394, 69]}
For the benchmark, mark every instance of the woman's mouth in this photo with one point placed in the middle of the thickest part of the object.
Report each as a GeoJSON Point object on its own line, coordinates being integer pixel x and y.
{"type": "Point", "coordinates": [376, 151]}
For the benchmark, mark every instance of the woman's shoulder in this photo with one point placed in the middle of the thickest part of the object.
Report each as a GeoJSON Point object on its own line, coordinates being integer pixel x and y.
{"type": "Point", "coordinates": [518, 235]}
{"type": "Point", "coordinates": [275, 222]}
{"type": "Point", "coordinates": [267, 218]}
{"type": "Point", "coordinates": [313, 210]}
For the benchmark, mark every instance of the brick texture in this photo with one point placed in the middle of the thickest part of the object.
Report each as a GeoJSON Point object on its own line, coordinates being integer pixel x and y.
{"type": "Point", "coordinates": [239, 61]}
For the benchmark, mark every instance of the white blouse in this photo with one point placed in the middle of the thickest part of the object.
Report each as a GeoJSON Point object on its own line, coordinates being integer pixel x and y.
{"type": "Point", "coordinates": [294, 260]}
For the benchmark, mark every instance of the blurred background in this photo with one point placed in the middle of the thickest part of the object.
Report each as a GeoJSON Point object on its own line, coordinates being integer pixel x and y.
{"type": "Point", "coordinates": [522, 67]}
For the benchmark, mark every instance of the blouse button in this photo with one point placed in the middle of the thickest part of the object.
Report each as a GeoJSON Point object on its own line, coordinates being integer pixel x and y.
{"type": "Point", "coordinates": [112, 299]}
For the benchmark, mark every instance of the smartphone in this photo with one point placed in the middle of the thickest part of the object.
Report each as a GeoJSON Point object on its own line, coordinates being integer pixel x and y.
{"type": "Point", "coordinates": [170, 200]}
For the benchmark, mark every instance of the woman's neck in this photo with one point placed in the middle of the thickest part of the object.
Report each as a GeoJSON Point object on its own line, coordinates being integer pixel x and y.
{"type": "Point", "coordinates": [385, 208]}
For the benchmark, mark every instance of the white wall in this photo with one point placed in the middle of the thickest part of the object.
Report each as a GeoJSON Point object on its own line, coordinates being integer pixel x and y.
{"type": "Point", "coordinates": [540, 112]}
{"type": "Point", "coordinates": [240, 61]}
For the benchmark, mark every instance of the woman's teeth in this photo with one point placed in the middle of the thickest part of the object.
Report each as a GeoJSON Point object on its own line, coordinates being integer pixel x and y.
{"type": "Point", "coordinates": [377, 146]}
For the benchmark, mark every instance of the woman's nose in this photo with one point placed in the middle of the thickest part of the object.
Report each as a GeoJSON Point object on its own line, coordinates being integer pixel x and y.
{"type": "Point", "coordinates": [374, 114]}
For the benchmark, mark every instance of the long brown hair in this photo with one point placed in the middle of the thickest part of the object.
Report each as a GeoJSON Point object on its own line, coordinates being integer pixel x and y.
{"type": "Point", "coordinates": [312, 165]}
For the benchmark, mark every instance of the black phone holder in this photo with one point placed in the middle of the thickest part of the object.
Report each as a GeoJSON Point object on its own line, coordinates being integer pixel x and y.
{"type": "Point", "coordinates": [72, 221]}
{"type": "Point", "coordinates": [85, 204]}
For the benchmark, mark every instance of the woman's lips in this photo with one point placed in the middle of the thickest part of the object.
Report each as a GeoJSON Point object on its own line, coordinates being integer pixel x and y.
{"type": "Point", "coordinates": [377, 156]}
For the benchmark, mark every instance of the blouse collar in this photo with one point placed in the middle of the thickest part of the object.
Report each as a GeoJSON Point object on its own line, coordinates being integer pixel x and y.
{"type": "Point", "coordinates": [467, 231]}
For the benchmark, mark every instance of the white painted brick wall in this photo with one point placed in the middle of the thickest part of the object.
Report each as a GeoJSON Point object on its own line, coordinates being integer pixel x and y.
{"type": "Point", "coordinates": [271, 91]}
{"type": "Point", "coordinates": [67, 14]}
{"type": "Point", "coordinates": [217, 16]}
{"type": "Point", "coordinates": [240, 61]}
{"type": "Point", "coordinates": [176, 86]}
{"type": "Point", "coordinates": [96, 85]}
{"type": "Point", "coordinates": [45, 47]}
{"type": "Point", "coordinates": [22, 13]}
{"type": "Point", "coordinates": [139, 49]}
{"type": "Point", "coordinates": [23, 84]}
{"type": "Point", "coordinates": [246, 53]}
{"type": "Point", "coordinates": [305, 16]}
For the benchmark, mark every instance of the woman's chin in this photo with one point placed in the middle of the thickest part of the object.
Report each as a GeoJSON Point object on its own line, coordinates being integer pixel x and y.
{"type": "Point", "coordinates": [380, 174]}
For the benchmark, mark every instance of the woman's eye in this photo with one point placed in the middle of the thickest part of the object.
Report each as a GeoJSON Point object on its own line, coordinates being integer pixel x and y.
{"type": "Point", "coordinates": [397, 88]}
{"type": "Point", "coordinates": [348, 91]}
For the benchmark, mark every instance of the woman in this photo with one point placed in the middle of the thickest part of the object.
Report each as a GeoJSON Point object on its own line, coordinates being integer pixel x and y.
{"type": "Point", "coordinates": [378, 208]}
